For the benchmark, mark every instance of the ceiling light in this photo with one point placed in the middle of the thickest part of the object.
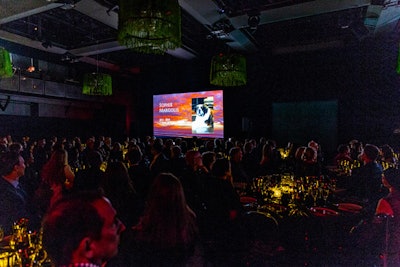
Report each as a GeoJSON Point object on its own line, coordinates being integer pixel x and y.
{"type": "Point", "coordinates": [228, 70]}
{"type": "Point", "coordinates": [97, 84]}
{"type": "Point", "coordinates": [47, 44]}
{"type": "Point", "coordinates": [253, 22]}
{"type": "Point", "coordinates": [31, 68]}
{"type": "Point", "coordinates": [150, 27]}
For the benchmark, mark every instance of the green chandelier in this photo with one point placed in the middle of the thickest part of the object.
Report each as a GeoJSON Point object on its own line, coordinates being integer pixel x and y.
{"type": "Point", "coordinates": [6, 70]}
{"type": "Point", "coordinates": [150, 27]}
{"type": "Point", "coordinates": [228, 70]}
{"type": "Point", "coordinates": [97, 84]}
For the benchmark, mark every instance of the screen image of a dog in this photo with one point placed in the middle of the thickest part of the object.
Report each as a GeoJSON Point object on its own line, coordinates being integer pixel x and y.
{"type": "Point", "coordinates": [202, 115]}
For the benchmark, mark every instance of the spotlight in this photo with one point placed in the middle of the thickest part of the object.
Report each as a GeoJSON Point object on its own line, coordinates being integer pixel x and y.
{"type": "Point", "coordinates": [47, 44]}
{"type": "Point", "coordinates": [30, 69]}
{"type": "Point", "coordinates": [253, 22]}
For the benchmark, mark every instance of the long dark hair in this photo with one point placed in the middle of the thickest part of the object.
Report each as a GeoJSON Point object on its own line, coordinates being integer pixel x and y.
{"type": "Point", "coordinates": [167, 221]}
{"type": "Point", "coordinates": [53, 170]}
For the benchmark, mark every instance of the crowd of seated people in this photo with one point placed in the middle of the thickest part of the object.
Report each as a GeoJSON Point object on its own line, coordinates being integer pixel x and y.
{"type": "Point", "coordinates": [208, 173]}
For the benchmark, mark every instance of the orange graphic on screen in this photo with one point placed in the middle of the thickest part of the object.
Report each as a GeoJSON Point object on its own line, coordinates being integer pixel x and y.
{"type": "Point", "coordinates": [175, 114]}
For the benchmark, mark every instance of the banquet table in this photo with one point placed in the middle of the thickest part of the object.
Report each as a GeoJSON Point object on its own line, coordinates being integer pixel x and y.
{"type": "Point", "coordinates": [316, 225]}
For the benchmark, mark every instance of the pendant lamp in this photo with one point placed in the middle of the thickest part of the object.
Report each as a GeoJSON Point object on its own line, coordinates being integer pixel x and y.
{"type": "Point", "coordinates": [97, 84]}
{"type": "Point", "coordinates": [6, 70]}
{"type": "Point", "coordinates": [228, 70]}
{"type": "Point", "coordinates": [150, 27]}
{"type": "Point", "coordinates": [398, 63]}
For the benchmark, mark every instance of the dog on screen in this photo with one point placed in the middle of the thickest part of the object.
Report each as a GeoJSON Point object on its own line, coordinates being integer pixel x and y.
{"type": "Point", "coordinates": [204, 120]}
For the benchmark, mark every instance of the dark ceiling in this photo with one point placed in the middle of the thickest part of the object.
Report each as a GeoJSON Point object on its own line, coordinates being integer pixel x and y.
{"type": "Point", "coordinates": [84, 32]}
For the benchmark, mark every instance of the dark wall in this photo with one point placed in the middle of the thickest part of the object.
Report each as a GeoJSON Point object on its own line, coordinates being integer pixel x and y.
{"type": "Point", "coordinates": [361, 77]}
{"type": "Point", "coordinates": [108, 122]}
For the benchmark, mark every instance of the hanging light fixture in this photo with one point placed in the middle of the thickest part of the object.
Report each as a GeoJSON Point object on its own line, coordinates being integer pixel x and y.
{"type": "Point", "coordinates": [6, 70]}
{"type": "Point", "coordinates": [150, 27]}
{"type": "Point", "coordinates": [228, 70]}
{"type": "Point", "coordinates": [398, 63]}
{"type": "Point", "coordinates": [97, 84]}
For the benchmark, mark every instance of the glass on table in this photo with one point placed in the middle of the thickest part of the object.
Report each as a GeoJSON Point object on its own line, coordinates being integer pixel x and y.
{"type": "Point", "coordinates": [325, 194]}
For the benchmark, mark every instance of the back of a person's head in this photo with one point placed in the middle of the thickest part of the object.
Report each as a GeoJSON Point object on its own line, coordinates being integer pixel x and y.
{"type": "Point", "coordinates": [392, 176]}
{"type": "Point", "coordinates": [94, 160]}
{"type": "Point", "coordinates": [248, 147]}
{"type": "Point", "coordinates": [343, 148]}
{"type": "Point", "coordinates": [15, 147]}
{"type": "Point", "coordinates": [169, 142]}
{"type": "Point", "coordinates": [208, 158]}
{"type": "Point", "coordinates": [166, 221]}
{"type": "Point", "coordinates": [117, 146]}
{"type": "Point", "coordinates": [158, 145]}
{"type": "Point", "coordinates": [233, 151]}
{"type": "Point", "coordinates": [272, 143]}
{"type": "Point", "coordinates": [116, 179]}
{"type": "Point", "coordinates": [310, 155]}
{"type": "Point", "coordinates": [134, 156]}
{"type": "Point", "coordinates": [53, 170]}
{"type": "Point", "coordinates": [209, 145]}
{"type": "Point", "coordinates": [298, 155]}
{"type": "Point", "coordinates": [221, 167]}
{"type": "Point", "coordinates": [68, 222]}
{"type": "Point", "coordinates": [189, 157]}
{"type": "Point", "coordinates": [371, 151]}
{"type": "Point", "coordinates": [168, 187]}
{"type": "Point", "coordinates": [176, 151]}
{"type": "Point", "coordinates": [267, 150]}
{"type": "Point", "coordinates": [8, 160]}
{"type": "Point", "coordinates": [387, 151]}
{"type": "Point", "coordinates": [217, 142]}
{"type": "Point", "coordinates": [313, 144]}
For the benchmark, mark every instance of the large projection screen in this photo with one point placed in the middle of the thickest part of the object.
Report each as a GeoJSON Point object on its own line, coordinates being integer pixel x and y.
{"type": "Point", "coordinates": [304, 121]}
{"type": "Point", "coordinates": [189, 114]}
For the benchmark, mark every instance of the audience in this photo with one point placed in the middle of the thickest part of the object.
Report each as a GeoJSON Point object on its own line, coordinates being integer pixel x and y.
{"type": "Point", "coordinates": [169, 200]}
